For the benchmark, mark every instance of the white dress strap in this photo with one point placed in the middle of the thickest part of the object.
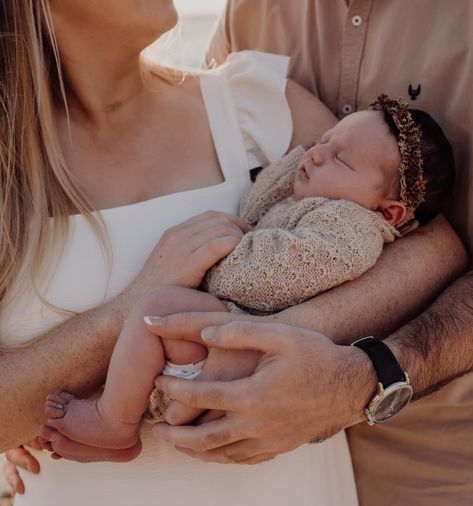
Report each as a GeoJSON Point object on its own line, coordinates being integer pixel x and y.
{"type": "Point", "coordinates": [224, 124]}
{"type": "Point", "coordinates": [248, 111]}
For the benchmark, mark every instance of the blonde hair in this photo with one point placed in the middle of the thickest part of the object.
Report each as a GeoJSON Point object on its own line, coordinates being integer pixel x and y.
{"type": "Point", "coordinates": [35, 183]}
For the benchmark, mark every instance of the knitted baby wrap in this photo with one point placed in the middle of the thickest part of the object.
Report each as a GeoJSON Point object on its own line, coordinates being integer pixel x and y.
{"type": "Point", "coordinates": [297, 249]}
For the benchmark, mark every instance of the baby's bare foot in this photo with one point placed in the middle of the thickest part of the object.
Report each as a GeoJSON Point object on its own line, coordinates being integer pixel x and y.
{"type": "Point", "coordinates": [86, 422]}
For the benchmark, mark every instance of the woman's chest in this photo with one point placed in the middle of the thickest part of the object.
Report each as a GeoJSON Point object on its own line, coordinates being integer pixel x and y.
{"type": "Point", "coordinates": [155, 155]}
{"type": "Point", "coordinates": [84, 277]}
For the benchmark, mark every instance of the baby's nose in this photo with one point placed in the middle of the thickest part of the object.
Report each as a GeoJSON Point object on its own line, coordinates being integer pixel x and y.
{"type": "Point", "coordinates": [317, 155]}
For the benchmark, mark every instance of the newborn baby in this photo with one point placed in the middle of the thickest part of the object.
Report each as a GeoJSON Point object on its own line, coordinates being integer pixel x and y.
{"type": "Point", "coordinates": [321, 217]}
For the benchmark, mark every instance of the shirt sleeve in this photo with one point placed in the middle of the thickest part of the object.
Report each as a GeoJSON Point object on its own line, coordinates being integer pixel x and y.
{"type": "Point", "coordinates": [258, 87]}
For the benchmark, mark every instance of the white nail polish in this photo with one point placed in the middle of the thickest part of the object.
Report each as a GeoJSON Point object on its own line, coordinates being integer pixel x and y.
{"type": "Point", "coordinates": [153, 321]}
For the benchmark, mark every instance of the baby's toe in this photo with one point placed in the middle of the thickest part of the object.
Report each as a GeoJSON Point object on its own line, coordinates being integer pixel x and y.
{"type": "Point", "coordinates": [54, 410]}
{"type": "Point", "coordinates": [60, 397]}
{"type": "Point", "coordinates": [56, 405]}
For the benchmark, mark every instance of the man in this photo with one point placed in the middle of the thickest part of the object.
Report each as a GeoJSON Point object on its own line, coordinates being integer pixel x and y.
{"type": "Point", "coordinates": [347, 53]}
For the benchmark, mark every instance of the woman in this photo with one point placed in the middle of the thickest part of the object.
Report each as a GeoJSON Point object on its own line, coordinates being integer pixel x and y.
{"type": "Point", "coordinates": [102, 131]}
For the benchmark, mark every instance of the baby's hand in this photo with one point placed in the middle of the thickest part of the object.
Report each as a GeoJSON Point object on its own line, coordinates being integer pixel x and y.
{"type": "Point", "coordinates": [220, 365]}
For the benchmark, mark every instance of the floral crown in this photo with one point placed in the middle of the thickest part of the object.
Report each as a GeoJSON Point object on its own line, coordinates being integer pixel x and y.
{"type": "Point", "coordinates": [411, 169]}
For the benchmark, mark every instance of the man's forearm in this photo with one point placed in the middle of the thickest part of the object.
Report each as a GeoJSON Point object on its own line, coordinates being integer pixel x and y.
{"type": "Point", "coordinates": [437, 346]}
{"type": "Point", "coordinates": [73, 356]}
{"type": "Point", "coordinates": [408, 277]}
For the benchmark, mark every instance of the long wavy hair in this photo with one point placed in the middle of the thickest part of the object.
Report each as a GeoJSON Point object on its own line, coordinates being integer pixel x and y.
{"type": "Point", "coordinates": [35, 182]}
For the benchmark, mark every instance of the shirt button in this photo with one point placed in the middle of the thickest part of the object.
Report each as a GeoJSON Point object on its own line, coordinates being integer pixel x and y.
{"type": "Point", "coordinates": [347, 109]}
{"type": "Point", "coordinates": [356, 20]}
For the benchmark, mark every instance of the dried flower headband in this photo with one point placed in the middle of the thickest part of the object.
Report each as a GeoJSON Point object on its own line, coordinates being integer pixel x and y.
{"type": "Point", "coordinates": [411, 169]}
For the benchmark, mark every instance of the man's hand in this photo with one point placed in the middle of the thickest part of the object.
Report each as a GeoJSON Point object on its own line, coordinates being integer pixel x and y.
{"type": "Point", "coordinates": [305, 388]}
{"type": "Point", "coordinates": [222, 365]}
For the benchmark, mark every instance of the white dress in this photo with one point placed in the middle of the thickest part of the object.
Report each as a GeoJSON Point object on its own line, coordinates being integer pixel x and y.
{"type": "Point", "coordinates": [251, 125]}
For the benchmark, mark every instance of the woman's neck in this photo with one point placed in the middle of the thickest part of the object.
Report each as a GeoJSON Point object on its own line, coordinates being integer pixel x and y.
{"type": "Point", "coordinates": [102, 74]}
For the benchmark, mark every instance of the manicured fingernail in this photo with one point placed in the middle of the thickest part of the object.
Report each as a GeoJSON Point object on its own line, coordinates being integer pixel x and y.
{"type": "Point", "coordinates": [153, 321]}
{"type": "Point", "coordinates": [209, 334]}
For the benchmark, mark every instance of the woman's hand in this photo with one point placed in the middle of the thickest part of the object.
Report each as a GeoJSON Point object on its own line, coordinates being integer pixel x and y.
{"type": "Point", "coordinates": [187, 251]}
{"type": "Point", "coordinates": [20, 458]}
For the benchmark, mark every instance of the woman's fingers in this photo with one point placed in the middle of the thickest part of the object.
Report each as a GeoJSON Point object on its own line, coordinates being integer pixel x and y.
{"type": "Point", "coordinates": [212, 216]}
{"type": "Point", "coordinates": [185, 252]}
{"type": "Point", "coordinates": [209, 253]}
{"type": "Point", "coordinates": [13, 478]}
{"type": "Point", "coordinates": [35, 443]}
{"type": "Point", "coordinates": [21, 457]}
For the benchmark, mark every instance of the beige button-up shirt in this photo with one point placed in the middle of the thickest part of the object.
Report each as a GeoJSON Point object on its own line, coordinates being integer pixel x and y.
{"type": "Point", "coordinates": [347, 53]}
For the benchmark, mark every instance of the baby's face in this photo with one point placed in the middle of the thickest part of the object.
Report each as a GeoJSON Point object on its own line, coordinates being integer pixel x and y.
{"type": "Point", "coordinates": [357, 160]}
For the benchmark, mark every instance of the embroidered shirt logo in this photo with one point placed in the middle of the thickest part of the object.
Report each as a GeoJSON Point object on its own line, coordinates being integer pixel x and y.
{"type": "Point", "coordinates": [414, 93]}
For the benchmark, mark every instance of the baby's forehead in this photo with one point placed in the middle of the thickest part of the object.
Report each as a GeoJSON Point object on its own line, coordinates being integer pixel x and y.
{"type": "Point", "coordinates": [365, 118]}
{"type": "Point", "coordinates": [364, 129]}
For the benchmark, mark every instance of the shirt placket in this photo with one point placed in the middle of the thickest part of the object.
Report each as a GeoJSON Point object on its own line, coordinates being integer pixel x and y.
{"type": "Point", "coordinates": [353, 45]}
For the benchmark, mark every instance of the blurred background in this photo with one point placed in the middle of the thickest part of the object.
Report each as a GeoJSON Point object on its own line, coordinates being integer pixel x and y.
{"type": "Point", "coordinates": [184, 46]}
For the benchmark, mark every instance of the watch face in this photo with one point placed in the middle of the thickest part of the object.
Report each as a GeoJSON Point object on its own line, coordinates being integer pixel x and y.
{"type": "Point", "coordinates": [395, 397]}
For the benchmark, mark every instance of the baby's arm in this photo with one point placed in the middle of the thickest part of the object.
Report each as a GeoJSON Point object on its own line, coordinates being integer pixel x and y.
{"type": "Point", "coordinates": [272, 269]}
{"type": "Point", "coordinates": [273, 184]}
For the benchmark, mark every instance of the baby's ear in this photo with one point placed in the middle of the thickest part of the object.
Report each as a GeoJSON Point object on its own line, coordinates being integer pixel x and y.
{"type": "Point", "coordinates": [394, 212]}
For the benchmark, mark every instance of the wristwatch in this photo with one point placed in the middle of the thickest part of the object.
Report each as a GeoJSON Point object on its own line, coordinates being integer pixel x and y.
{"type": "Point", "coordinates": [394, 388]}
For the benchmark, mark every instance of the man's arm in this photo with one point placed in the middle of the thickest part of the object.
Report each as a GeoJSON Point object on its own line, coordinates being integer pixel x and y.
{"type": "Point", "coordinates": [407, 278]}
{"type": "Point", "coordinates": [437, 346]}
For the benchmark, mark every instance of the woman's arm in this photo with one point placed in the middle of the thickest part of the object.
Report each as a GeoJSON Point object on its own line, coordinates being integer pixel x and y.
{"type": "Point", "coordinates": [74, 356]}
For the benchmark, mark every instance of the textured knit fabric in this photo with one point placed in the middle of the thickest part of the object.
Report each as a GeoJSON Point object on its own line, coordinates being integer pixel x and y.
{"type": "Point", "coordinates": [297, 249]}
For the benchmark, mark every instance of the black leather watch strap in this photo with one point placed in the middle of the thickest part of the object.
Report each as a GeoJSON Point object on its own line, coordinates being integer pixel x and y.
{"type": "Point", "coordinates": [385, 363]}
